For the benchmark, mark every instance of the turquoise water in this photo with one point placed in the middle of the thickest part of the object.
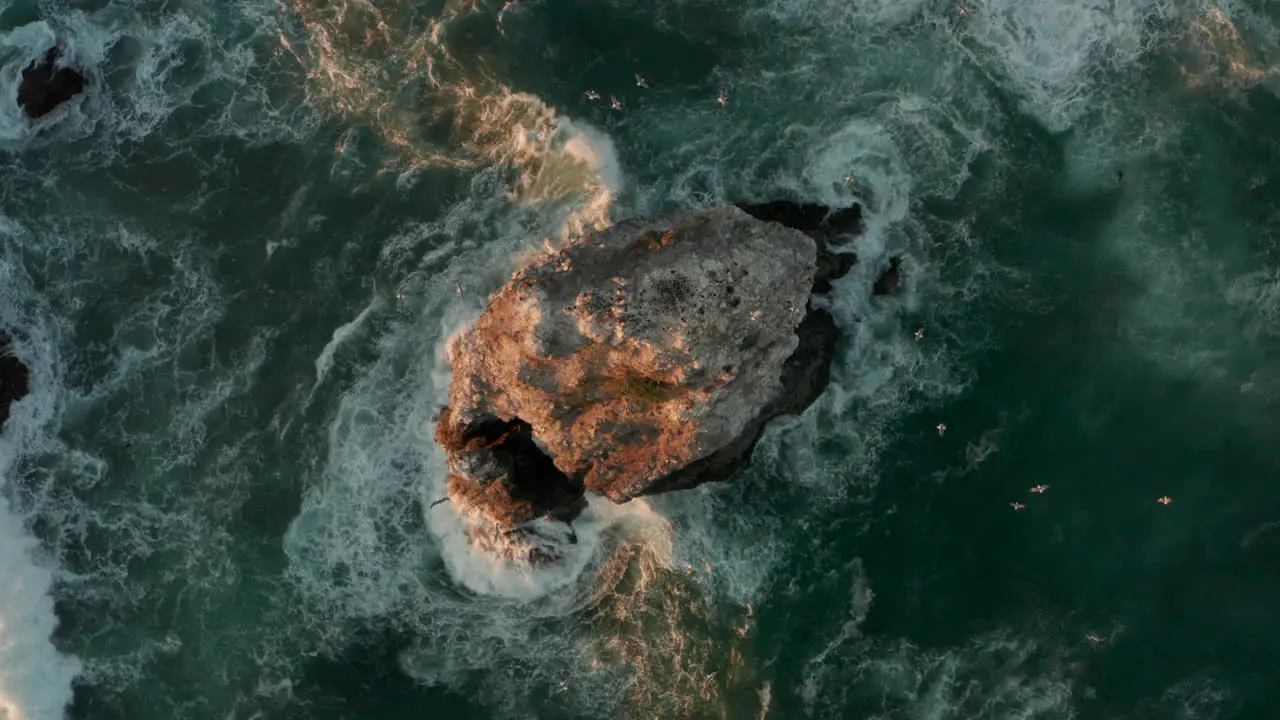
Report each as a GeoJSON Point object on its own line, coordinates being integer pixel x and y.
{"type": "Point", "coordinates": [233, 272]}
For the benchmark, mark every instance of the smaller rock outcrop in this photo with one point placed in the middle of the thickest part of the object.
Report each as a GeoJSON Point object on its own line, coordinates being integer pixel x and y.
{"type": "Point", "coordinates": [46, 84]}
{"type": "Point", "coordinates": [890, 281]}
{"type": "Point", "coordinates": [14, 378]}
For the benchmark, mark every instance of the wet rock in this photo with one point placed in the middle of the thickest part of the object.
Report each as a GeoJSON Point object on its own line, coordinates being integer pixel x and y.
{"type": "Point", "coordinates": [46, 84]}
{"type": "Point", "coordinates": [641, 359]}
{"type": "Point", "coordinates": [14, 377]}
{"type": "Point", "coordinates": [890, 281]}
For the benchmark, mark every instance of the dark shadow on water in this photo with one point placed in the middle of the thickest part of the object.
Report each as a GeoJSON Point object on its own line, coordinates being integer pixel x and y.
{"type": "Point", "coordinates": [366, 681]}
{"type": "Point", "coordinates": [361, 683]}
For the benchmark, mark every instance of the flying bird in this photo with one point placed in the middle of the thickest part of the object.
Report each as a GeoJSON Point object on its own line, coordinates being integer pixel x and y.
{"type": "Point", "coordinates": [1165, 500]}
{"type": "Point", "coordinates": [1017, 506]}
{"type": "Point", "coordinates": [919, 334]}
{"type": "Point", "coordinates": [942, 428]}
{"type": "Point", "coordinates": [641, 82]}
{"type": "Point", "coordinates": [1039, 489]}
{"type": "Point", "coordinates": [723, 97]}
{"type": "Point", "coordinates": [593, 95]}
{"type": "Point", "coordinates": [615, 102]}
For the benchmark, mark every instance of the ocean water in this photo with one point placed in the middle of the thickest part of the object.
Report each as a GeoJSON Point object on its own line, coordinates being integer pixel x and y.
{"type": "Point", "coordinates": [234, 269]}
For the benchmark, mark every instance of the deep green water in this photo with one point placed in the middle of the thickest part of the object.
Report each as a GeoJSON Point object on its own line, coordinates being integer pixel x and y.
{"type": "Point", "coordinates": [232, 271]}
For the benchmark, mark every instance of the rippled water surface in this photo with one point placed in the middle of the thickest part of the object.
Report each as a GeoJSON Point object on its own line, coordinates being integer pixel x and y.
{"type": "Point", "coordinates": [234, 266]}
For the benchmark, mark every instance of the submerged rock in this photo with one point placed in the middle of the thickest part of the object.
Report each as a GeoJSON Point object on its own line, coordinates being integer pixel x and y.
{"type": "Point", "coordinates": [46, 85]}
{"type": "Point", "coordinates": [14, 377]}
{"type": "Point", "coordinates": [890, 281]}
{"type": "Point", "coordinates": [641, 359]}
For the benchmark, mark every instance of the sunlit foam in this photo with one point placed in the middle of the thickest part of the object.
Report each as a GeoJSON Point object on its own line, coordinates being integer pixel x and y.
{"type": "Point", "coordinates": [1214, 55]}
{"type": "Point", "coordinates": [492, 562]}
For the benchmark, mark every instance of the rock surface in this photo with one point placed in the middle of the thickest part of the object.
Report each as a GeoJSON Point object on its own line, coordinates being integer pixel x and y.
{"type": "Point", "coordinates": [641, 359]}
{"type": "Point", "coordinates": [14, 378]}
{"type": "Point", "coordinates": [46, 85]}
{"type": "Point", "coordinates": [824, 225]}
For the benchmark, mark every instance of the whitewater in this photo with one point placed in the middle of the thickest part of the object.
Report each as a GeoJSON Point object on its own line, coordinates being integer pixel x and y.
{"type": "Point", "coordinates": [234, 268]}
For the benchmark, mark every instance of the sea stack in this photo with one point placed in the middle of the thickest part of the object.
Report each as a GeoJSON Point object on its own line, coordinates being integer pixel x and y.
{"type": "Point", "coordinates": [14, 377]}
{"type": "Point", "coordinates": [641, 359]}
{"type": "Point", "coordinates": [47, 83]}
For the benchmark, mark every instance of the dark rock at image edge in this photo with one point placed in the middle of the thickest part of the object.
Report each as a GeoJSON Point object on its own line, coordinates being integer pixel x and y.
{"type": "Point", "coordinates": [47, 84]}
{"type": "Point", "coordinates": [15, 380]}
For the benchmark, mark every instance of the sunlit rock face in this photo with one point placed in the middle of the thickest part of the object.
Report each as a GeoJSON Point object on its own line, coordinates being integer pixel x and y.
{"type": "Point", "coordinates": [641, 359]}
{"type": "Point", "coordinates": [1212, 55]}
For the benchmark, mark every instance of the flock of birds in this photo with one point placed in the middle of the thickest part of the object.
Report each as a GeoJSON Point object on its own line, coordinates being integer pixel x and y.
{"type": "Point", "coordinates": [1037, 489]}
{"type": "Point", "coordinates": [616, 104]}
{"type": "Point", "coordinates": [723, 99]}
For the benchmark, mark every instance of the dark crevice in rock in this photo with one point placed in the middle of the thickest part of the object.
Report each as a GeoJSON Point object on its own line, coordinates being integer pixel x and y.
{"type": "Point", "coordinates": [46, 85]}
{"type": "Point", "coordinates": [505, 452]}
{"type": "Point", "coordinates": [808, 217]}
{"type": "Point", "coordinates": [805, 217]}
{"type": "Point", "coordinates": [15, 379]}
{"type": "Point", "coordinates": [831, 267]}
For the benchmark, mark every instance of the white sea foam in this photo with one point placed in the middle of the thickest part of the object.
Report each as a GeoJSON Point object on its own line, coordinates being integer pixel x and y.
{"type": "Point", "coordinates": [1197, 305]}
{"type": "Point", "coordinates": [1007, 674]}
{"type": "Point", "coordinates": [1052, 53]}
{"type": "Point", "coordinates": [557, 163]}
{"type": "Point", "coordinates": [55, 481]}
{"type": "Point", "coordinates": [1197, 698]}
{"type": "Point", "coordinates": [480, 562]}
{"type": "Point", "coordinates": [368, 522]}
{"type": "Point", "coordinates": [175, 56]}
{"type": "Point", "coordinates": [18, 49]}
{"type": "Point", "coordinates": [340, 335]}
{"type": "Point", "coordinates": [1179, 312]}
{"type": "Point", "coordinates": [35, 679]}
{"type": "Point", "coordinates": [623, 614]}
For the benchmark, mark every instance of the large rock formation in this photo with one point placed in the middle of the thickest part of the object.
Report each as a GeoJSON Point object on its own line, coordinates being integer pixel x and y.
{"type": "Point", "coordinates": [641, 359]}
{"type": "Point", "coordinates": [46, 84]}
{"type": "Point", "coordinates": [14, 378]}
